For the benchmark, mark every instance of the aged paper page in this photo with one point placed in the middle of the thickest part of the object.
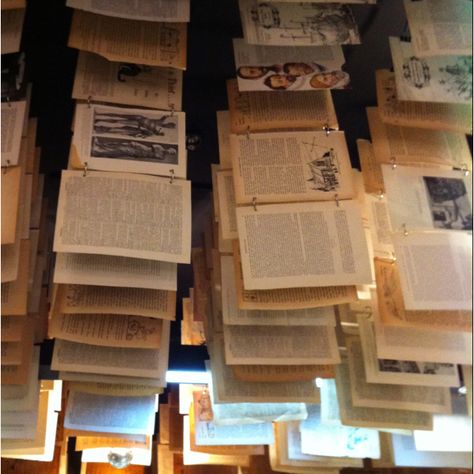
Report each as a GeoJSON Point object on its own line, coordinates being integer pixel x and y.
{"type": "Point", "coordinates": [131, 415]}
{"type": "Point", "coordinates": [223, 133]}
{"type": "Point", "coordinates": [272, 68]}
{"type": "Point", "coordinates": [13, 116]}
{"type": "Point", "coordinates": [371, 170]}
{"type": "Point", "coordinates": [144, 141]}
{"type": "Point", "coordinates": [132, 441]}
{"type": "Point", "coordinates": [410, 145]}
{"type": "Point", "coordinates": [12, 28]}
{"type": "Point", "coordinates": [288, 298]}
{"type": "Point", "coordinates": [428, 198]}
{"type": "Point", "coordinates": [13, 4]}
{"type": "Point", "coordinates": [440, 28]}
{"type": "Point", "coordinates": [291, 166]}
{"type": "Point", "coordinates": [392, 307]}
{"type": "Point", "coordinates": [192, 332]}
{"type": "Point", "coordinates": [150, 363]}
{"type": "Point", "coordinates": [145, 10]}
{"type": "Point", "coordinates": [226, 201]}
{"type": "Point", "coordinates": [130, 41]}
{"type": "Point", "coordinates": [380, 226]}
{"type": "Point", "coordinates": [201, 285]}
{"type": "Point", "coordinates": [10, 261]}
{"type": "Point", "coordinates": [432, 115]}
{"type": "Point", "coordinates": [297, 24]}
{"type": "Point", "coordinates": [215, 193]}
{"type": "Point", "coordinates": [323, 316]}
{"type": "Point", "coordinates": [107, 330]}
{"type": "Point", "coordinates": [257, 111]}
{"type": "Point", "coordinates": [434, 270]}
{"type": "Point", "coordinates": [145, 86]}
{"type": "Point", "coordinates": [13, 327]}
{"type": "Point", "coordinates": [445, 79]}
{"type": "Point", "coordinates": [114, 384]}
{"type": "Point", "coordinates": [11, 195]}
{"type": "Point", "coordinates": [379, 395]}
{"type": "Point", "coordinates": [115, 389]}
{"type": "Point", "coordinates": [93, 216]}
{"type": "Point", "coordinates": [402, 372]}
{"type": "Point", "coordinates": [281, 373]}
{"type": "Point", "coordinates": [280, 345]}
{"type": "Point", "coordinates": [110, 270]}
{"type": "Point", "coordinates": [303, 245]}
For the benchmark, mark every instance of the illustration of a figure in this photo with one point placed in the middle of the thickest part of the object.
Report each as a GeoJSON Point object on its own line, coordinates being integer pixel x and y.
{"type": "Point", "coordinates": [324, 172]}
{"type": "Point", "coordinates": [205, 407]}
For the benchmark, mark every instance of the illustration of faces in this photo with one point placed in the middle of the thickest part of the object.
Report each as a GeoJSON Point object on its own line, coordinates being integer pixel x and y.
{"type": "Point", "coordinates": [279, 81]}
{"type": "Point", "coordinates": [326, 80]}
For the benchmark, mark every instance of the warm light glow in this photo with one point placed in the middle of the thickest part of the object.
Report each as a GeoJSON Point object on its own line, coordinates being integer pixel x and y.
{"type": "Point", "coordinates": [186, 376]}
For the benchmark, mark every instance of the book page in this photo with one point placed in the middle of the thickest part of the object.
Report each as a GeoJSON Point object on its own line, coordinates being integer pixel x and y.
{"type": "Point", "coordinates": [288, 298]}
{"type": "Point", "coordinates": [113, 384]}
{"type": "Point", "coordinates": [259, 112]}
{"type": "Point", "coordinates": [283, 24]}
{"type": "Point", "coordinates": [140, 456]}
{"type": "Point", "coordinates": [12, 29]}
{"type": "Point", "coordinates": [110, 270]}
{"type": "Point", "coordinates": [111, 330]}
{"type": "Point", "coordinates": [158, 228]}
{"type": "Point", "coordinates": [281, 373]}
{"type": "Point", "coordinates": [272, 68]}
{"type": "Point", "coordinates": [130, 441]}
{"type": "Point", "coordinates": [303, 245]}
{"type": "Point", "coordinates": [392, 310]}
{"type": "Point", "coordinates": [323, 316]}
{"type": "Point", "coordinates": [133, 140]}
{"type": "Point", "coordinates": [149, 363]}
{"type": "Point", "coordinates": [18, 374]}
{"type": "Point", "coordinates": [430, 79]}
{"type": "Point", "coordinates": [80, 299]}
{"type": "Point", "coordinates": [411, 145]}
{"type": "Point", "coordinates": [11, 194]}
{"type": "Point", "coordinates": [10, 261]}
{"type": "Point", "coordinates": [280, 345]}
{"type": "Point", "coordinates": [13, 327]}
{"type": "Point", "coordinates": [438, 28]}
{"type": "Point", "coordinates": [100, 80]}
{"type": "Point", "coordinates": [226, 204]}
{"type": "Point", "coordinates": [115, 389]}
{"type": "Point", "coordinates": [402, 372]}
{"type": "Point", "coordinates": [291, 166]}
{"type": "Point", "coordinates": [145, 10]}
{"type": "Point", "coordinates": [223, 134]}
{"type": "Point", "coordinates": [13, 4]}
{"type": "Point", "coordinates": [129, 41]}
{"type": "Point", "coordinates": [380, 226]}
{"type": "Point", "coordinates": [192, 332]}
{"type": "Point", "coordinates": [201, 285]}
{"type": "Point", "coordinates": [431, 115]}
{"type": "Point", "coordinates": [215, 193]}
{"type": "Point", "coordinates": [428, 198]}
{"type": "Point", "coordinates": [379, 395]}
{"type": "Point", "coordinates": [434, 270]}
{"type": "Point", "coordinates": [130, 415]}
{"type": "Point", "coordinates": [13, 116]}
{"type": "Point", "coordinates": [371, 170]}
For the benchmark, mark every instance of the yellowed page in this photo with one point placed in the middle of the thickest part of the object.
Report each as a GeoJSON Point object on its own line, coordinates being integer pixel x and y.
{"type": "Point", "coordinates": [10, 261]}
{"type": "Point", "coordinates": [223, 133]}
{"type": "Point", "coordinates": [288, 298]}
{"type": "Point", "coordinates": [192, 332]}
{"type": "Point", "coordinates": [291, 166]}
{"type": "Point", "coordinates": [131, 41]}
{"type": "Point", "coordinates": [115, 384]}
{"type": "Point", "coordinates": [13, 116]}
{"type": "Point", "coordinates": [11, 186]}
{"type": "Point", "coordinates": [281, 373]}
{"type": "Point", "coordinates": [115, 389]}
{"type": "Point", "coordinates": [13, 328]}
{"type": "Point", "coordinates": [226, 200]}
{"type": "Point", "coordinates": [371, 170]}
{"type": "Point", "coordinates": [88, 442]}
{"type": "Point", "coordinates": [79, 299]}
{"type": "Point", "coordinates": [13, 4]}
{"type": "Point", "coordinates": [201, 285]}
{"type": "Point", "coordinates": [435, 116]}
{"type": "Point", "coordinates": [19, 352]}
{"type": "Point", "coordinates": [111, 330]}
{"type": "Point", "coordinates": [392, 309]}
{"type": "Point", "coordinates": [215, 194]}
{"type": "Point", "coordinates": [12, 29]}
{"type": "Point", "coordinates": [82, 226]}
{"type": "Point", "coordinates": [258, 111]}
{"type": "Point", "coordinates": [16, 374]}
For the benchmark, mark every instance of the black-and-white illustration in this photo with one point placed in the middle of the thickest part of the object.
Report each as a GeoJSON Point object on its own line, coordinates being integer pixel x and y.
{"type": "Point", "coordinates": [410, 367]}
{"type": "Point", "coordinates": [449, 203]}
{"type": "Point", "coordinates": [325, 172]}
{"type": "Point", "coordinates": [127, 149]}
{"type": "Point", "coordinates": [456, 78]}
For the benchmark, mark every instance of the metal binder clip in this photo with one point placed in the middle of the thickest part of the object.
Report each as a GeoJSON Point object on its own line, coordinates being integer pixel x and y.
{"type": "Point", "coordinates": [89, 101]}
{"type": "Point", "coordinates": [6, 166]}
{"type": "Point", "coordinates": [327, 129]}
{"type": "Point", "coordinates": [248, 132]}
{"type": "Point", "coordinates": [393, 162]}
{"type": "Point", "coordinates": [120, 460]}
{"type": "Point", "coordinates": [381, 194]}
{"type": "Point", "coordinates": [336, 198]}
{"type": "Point", "coordinates": [171, 176]}
{"type": "Point", "coordinates": [84, 173]}
{"type": "Point", "coordinates": [404, 229]}
{"type": "Point", "coordinates": [254, 203]}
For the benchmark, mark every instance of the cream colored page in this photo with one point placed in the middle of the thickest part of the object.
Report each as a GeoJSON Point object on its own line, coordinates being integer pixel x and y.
{"type": "Point", "coordinates": [412, 145]}
{"type": "Point", "coordinates": [227, 389]}
{"type": "Point", "coordinates": [13, 115]}
{"type": "Point", "coordinates": [223, 133]}
{"type": "Point", "coordinates": [145, 10]}
{"type": "Point", "coordinates": [323, 316]}
{"type": "Point", "coordinates": [11, 188]}
{"type": "Point", "coordinates": [25, 208]}
{"type": "Point", "coordinates": [192, 332]}
{"type": "Point", "coordinates": [428, 198]}
{"type": "Point", "coordinates": [134, 441]}
{"type": "Point", "coordinates": [402, 372]}
{"type": "Point", "coordinates": [115, 389]}
{"type": "Point", "coordinates": [280, 345]}
{"type": "Point", "coordinates": [112, 138]}
{"type": "Point", "coordinates": [258, 111]}
{"type": "Point", "coordinates": [291, 166]}
{"type": "Point", "coordinates": [10, 261]}
{"type": "Point", "coordinates": [303, 245]}
{"type": "Point", "coordinates": [131, 415]}
{"type": "Point", "coordinates": [165, 459]}
{"type": "Point", "coordinates": [440, 28]}
{"type": "Point", "coordinates": [215, 192]}
{"type": "Point", "coordinates": [431, 115]}
{"type": "Point", "coordinates": [109, 330]}
{"type": "Point", "coordinates": [379, 395]}
{"type": "Point", "coordinates": [226, 198]}
{"type": "Point", "coordinates": [13, 328]}
{"type": "Point", "coordinates": [371, 170]}
{"type": "Point", "coordinates": [380, 226]}
{"type": "Point", "coordinates": [113, 300]}
{"type": "Point", "coordinates": [13, 4]}
{"type": "Point", "coordinates": [296, 25]}
{"type": "Point", "coordinates": [434, 272]}
{"type": "Point", "coordinates": [113, 384]}
{"type": "Point", "coordinates": [435, 79]}
{"type": "Point", "coordinates": [131, 41]}
{"type": "Point", "coordinates": [12, 28]}
{"type": "Point", "coordinates": [98, 79]}
{"type": "Point", "coordinates": [375, 417]}
{"type": "Point", "coordinates": [107, 270]}
{"type": "Point", "coordinates": [159, 230]}
{"type": "Point", "coordinates": [149, 363]}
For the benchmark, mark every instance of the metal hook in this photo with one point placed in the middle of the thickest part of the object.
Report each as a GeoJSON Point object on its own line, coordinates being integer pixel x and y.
{"type": "Point", "coordinates": [254, 203]}
{"type": "Point", "coordinates": [336, 198]}
{"type": "Point", "coordinates": [393, 162]}
{"type": "Point", "coordinates": [89, 101]}
{"type": "Point", "coordinates": [405, 231]}
{"type": "Point", "coordinates": [84, 173]}
{"type": "Point", "coordinates": [381, 194]}
{"type": "Point", "coordinates": [171, 176]}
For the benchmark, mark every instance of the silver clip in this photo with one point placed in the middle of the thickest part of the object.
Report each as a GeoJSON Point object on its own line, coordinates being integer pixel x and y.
{"type": "Point", "coordinates": [327, 129]}
{"type": "Point", "coordinates": [171, 176]}
{"type": "Point", "coordinates": [336, 198]}
{"type": "Point", "coordinates": [5, 167]}
{"type": "Point", "coordinates": [465, 171]}
{"type": "Point", "coordinates": [405, 231]}
{"type": "Point", "coordinates": [84, 172]}
{"type": "Point", "coordinates": [381, 194]}
{"type": "Point", "coordinates": [248, 132]}
{"type": "Point", "coordinates": [393, 162]}
{"type": "Point", "coordinates": [89, 101]}
{"type": "Point", "coordinates": [254, 203]}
